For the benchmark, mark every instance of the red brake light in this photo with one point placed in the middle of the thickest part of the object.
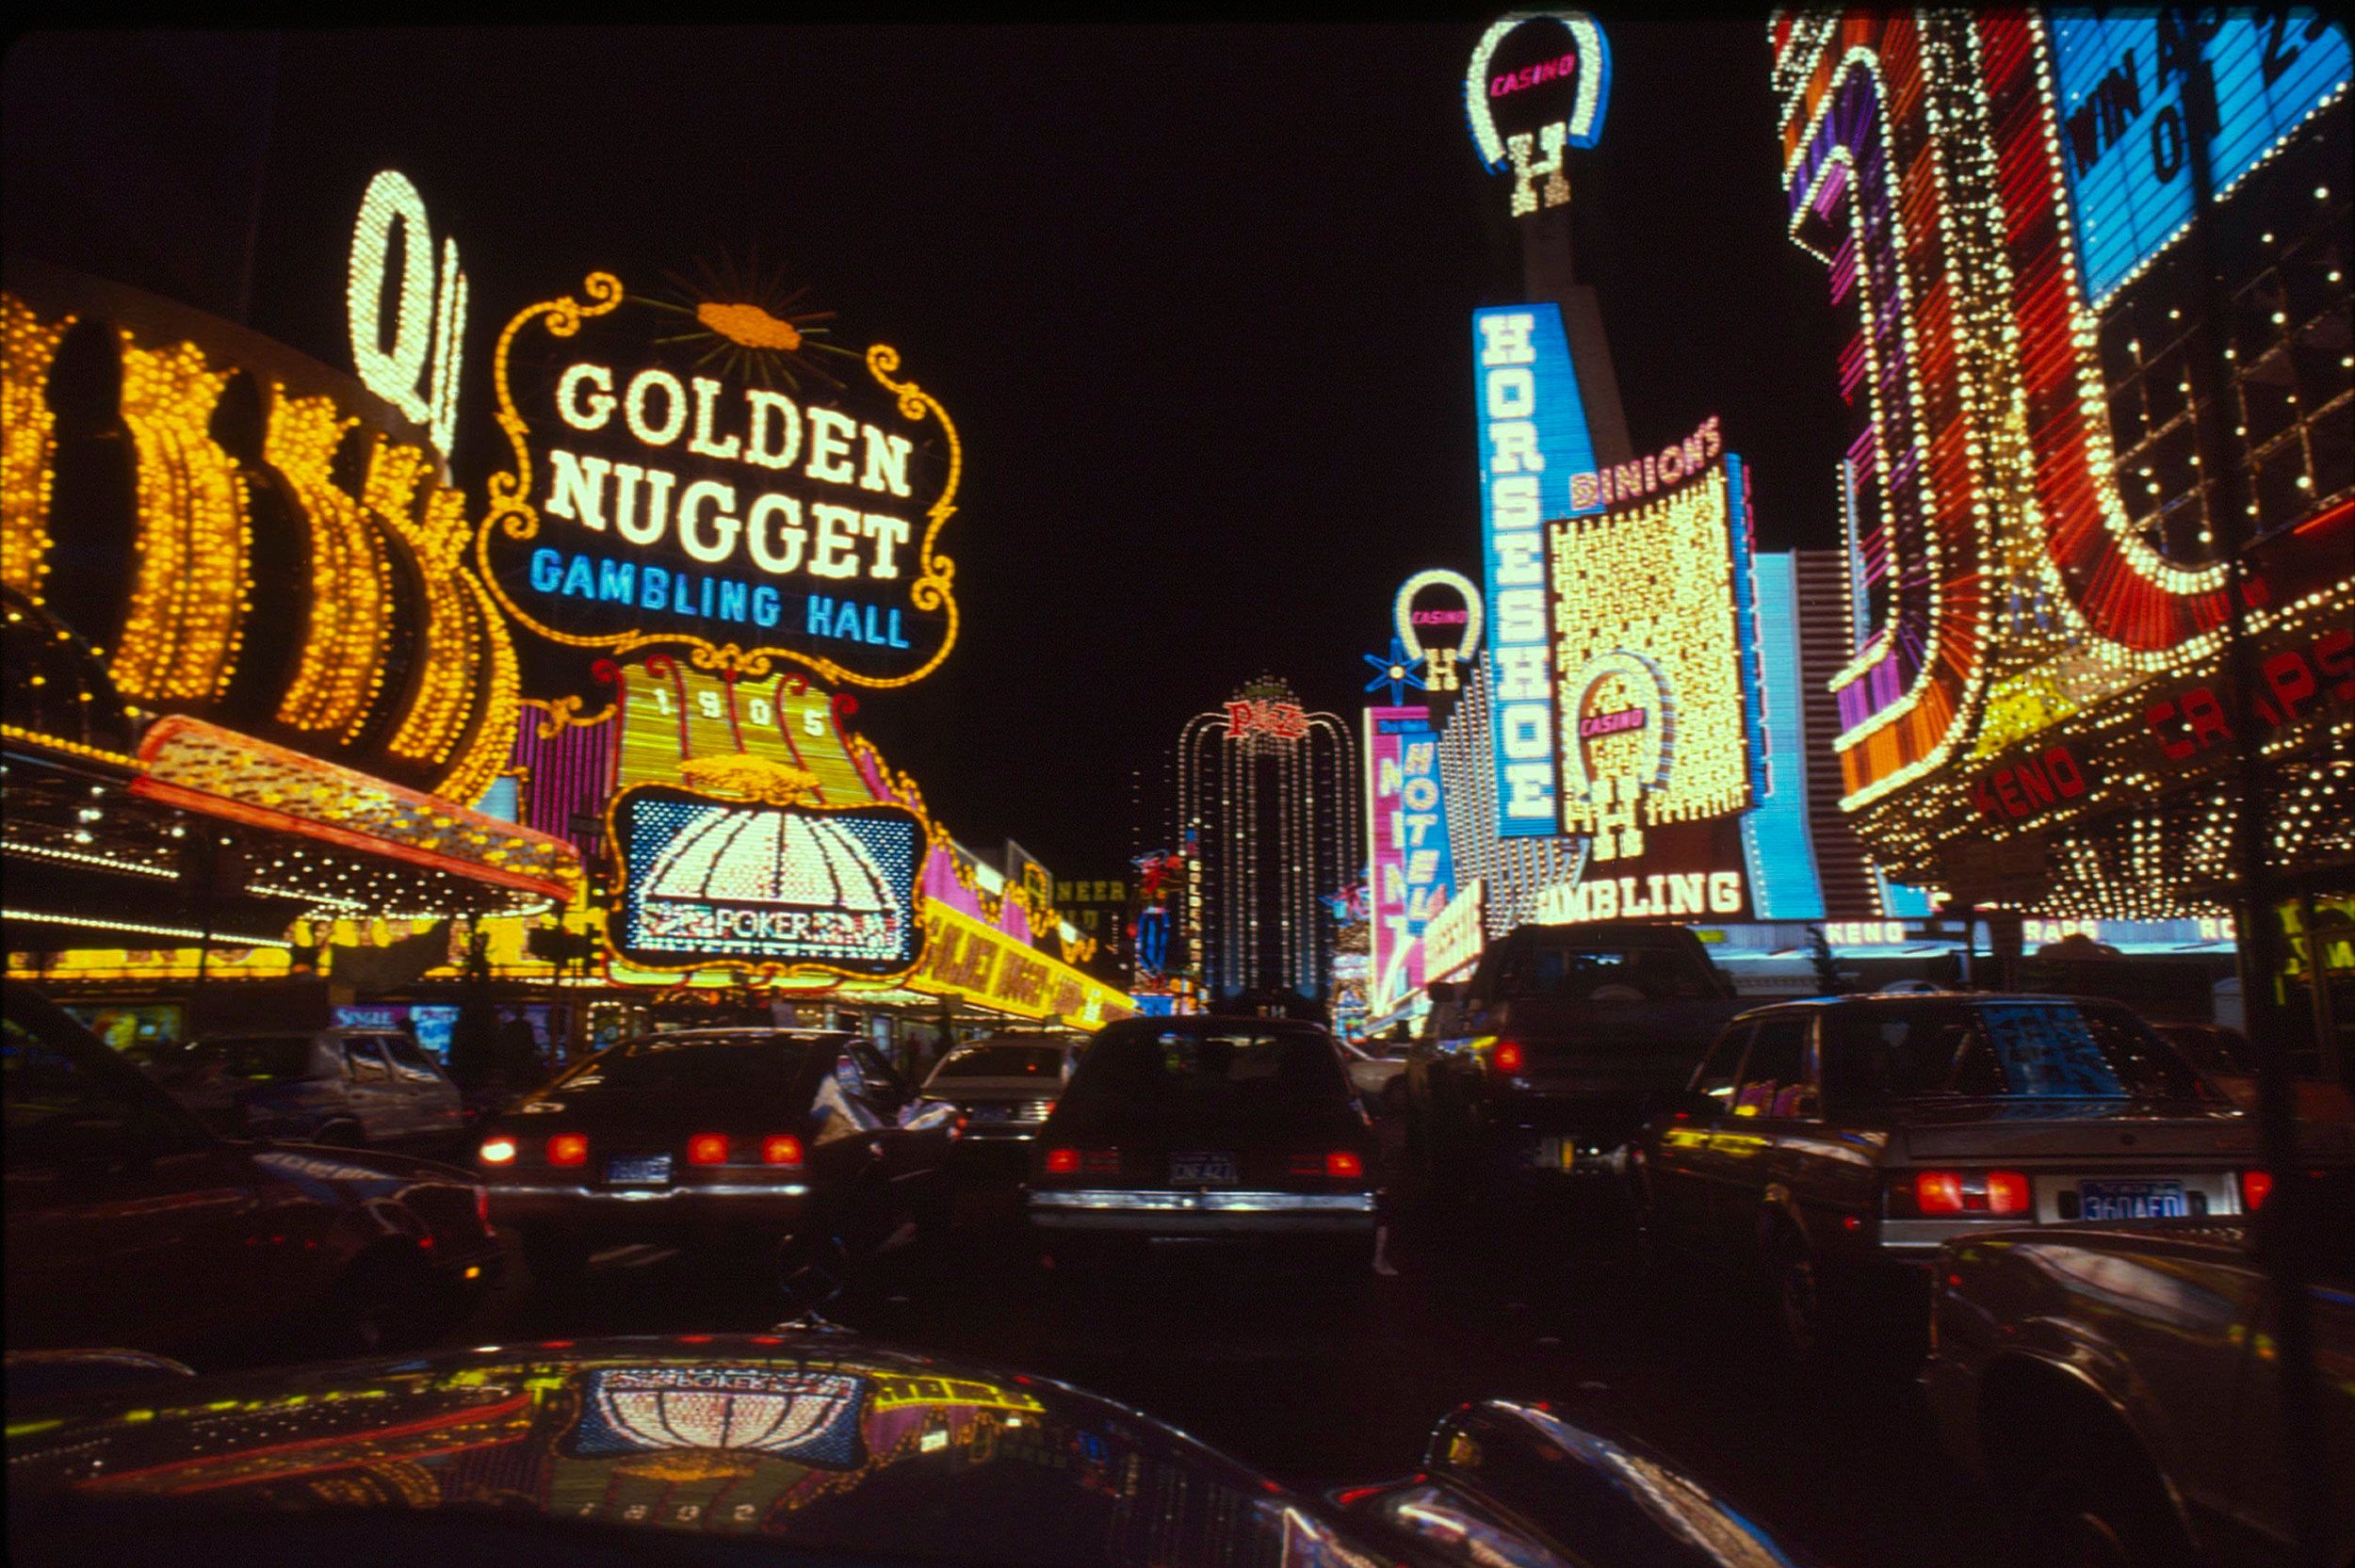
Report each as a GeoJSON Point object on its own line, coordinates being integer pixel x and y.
{"type": "Point", "coordinates": [1344, 1162]}
{"type": "Point", "coordinates": [1509, 1056]}
{"type": "Point", "coordinates": [2254, 1188]}
{"type": "Point", "coordinates": [568, 1149]}
{"type": "Point", "coordinates": [1937, 1192]}
{"type": "Point", "coordinates": [781, 1149]}
{"type": "Point", "coordinates": [707, 1148]}
{"type": "Point", "coordinates": [482, 1206]}
{"type": "Point", "coordinates": [496, 1151]}
{"type": "Point", "coordinates": [1062, 1162]}
{"type": "Point", "coordinates": [2006, 1192]}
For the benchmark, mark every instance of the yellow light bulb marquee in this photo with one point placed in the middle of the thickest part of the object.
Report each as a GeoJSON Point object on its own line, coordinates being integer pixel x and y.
{"type": "Point", "coordinates": [28, 444]}
{"type": "Point", "coordinates": [654, 506]}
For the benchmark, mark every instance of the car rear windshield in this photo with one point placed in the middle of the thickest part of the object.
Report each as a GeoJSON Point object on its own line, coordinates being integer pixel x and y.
{"type": "Point", "coordinates": [258, 1059]}
{"type": "Point", "coordinates": [1002, 1061]}
{"type": "Point", "coordinates": [1227, 1066]}
{"type": "Point", "coordinates": [723, 1064]}
{"type": "Point", "coordinates": [1603, 972]}
{"type": "Point", "coordinates": [2037, 1050]}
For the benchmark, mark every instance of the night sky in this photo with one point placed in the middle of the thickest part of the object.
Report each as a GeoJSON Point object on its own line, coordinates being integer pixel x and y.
{"type": "Point", "coordinates": [1198, 299]}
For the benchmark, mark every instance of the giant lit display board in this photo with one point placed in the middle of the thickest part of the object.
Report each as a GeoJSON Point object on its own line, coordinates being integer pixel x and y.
{"type": "Point", "coordinates": [2126, 128]}
{"type": "Point", "coordinates": [707, 474]}
{"type": "Point", "coordinates": [1539, 82]}
{"type": "Point", "coordinates": [772, 888]}
{"type": "Point", "coordinates": [1532, 438]}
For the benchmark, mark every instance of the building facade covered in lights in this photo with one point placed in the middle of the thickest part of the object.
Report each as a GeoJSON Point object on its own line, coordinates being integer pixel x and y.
{"type": "Point", "coordinates": [248, 695]}
{"type": "Point", "coordinates": [1267, 800]}
{"type": "Point", "coordinates": [2100, 494]}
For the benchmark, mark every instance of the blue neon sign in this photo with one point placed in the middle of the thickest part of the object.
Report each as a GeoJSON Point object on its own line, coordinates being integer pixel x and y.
{"type": "Point", "coordinates": [1532, 438]}
{"type": "Point", "coordinates": [2124, 129]}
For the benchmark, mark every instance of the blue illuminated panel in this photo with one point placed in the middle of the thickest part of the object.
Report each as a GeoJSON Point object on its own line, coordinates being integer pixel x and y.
{"type": "Point", "coordinates": [2122, 130]}
{"type": "Point", "coordinates": [1780, 853]}
{"type": "Point", "coordinates": [1532, 438]}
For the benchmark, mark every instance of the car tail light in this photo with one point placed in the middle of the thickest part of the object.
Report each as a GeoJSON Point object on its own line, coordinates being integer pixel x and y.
{"type": "Point", "coordinates": [781, 1149]}
{"type": "Point", "coordinates": [2254, 1188]}
{"type": "Point", "coordinates": [1345, 1163]}
{"type": "Point", "coordinates": [1100, 1162]}
{"type": "Point", "coordinates": [568, 1149]}
{"type": "Point", "coordinates": [1934, 1192]}
{"type": "Point", "coordinates": [1062, 1162]}
{"type": "Point", "coordinates": [2006, 1192]}
{"type": "Point", "coordinates": [1937, 1192]}
{"type": "Point", "coordinates": [1509, 1056]}
{"type": "Point", "coordinates": [482, 1206]}
{"type": "Point", "coordinates": [496, 1151]}
{"type": "Point", "coordinates": [707, 1148]}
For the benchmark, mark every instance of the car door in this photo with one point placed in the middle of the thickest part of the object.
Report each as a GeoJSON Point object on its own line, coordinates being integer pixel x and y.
{"type": "Point", "coordinates": [431, 1103]}
{"type": "Point", "coordinates": [368, 1084]}
{"type": "Point", "coordinates": [1742, 1145]}
{"type": "Point", "coordinates": [1676, 1169]}
{"type": "Point", "coordinates": [127, 1223]}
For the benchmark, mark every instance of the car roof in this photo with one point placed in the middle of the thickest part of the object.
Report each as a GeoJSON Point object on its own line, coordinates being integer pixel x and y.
{"type": "Point", "coordinates": [1185, 1023]}
{"type": "Point", "coordinates": [1898, 1000]}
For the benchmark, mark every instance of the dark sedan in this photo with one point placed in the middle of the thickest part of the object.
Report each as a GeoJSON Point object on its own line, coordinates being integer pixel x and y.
{"type": "Point", "coordinates": [130, 1223]}
{"type": "Point", "coordinates": [1003, 1087]}
{"type": "Point", "coordinates": [1823, 1142]}
{"type": "Point", "coordinates": [1208, 1128]}
{"type": "Point", "coordinates": [795, 1449]}
{"type": "Point", "coordinates": [728, 1139]}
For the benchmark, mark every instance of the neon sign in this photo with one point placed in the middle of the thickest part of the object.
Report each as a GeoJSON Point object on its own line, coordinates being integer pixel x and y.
{"type": "Point", "coordinates": [711, 484]}
{"type": "Point", "coordinates": [1250, 716]}
{"type": "Point", "coordinates": [1442, 664]}
{"type": "Point", "coordinates": [1537, 86]}
{"type": "Point", "coordinates": [774, 888]}
{"type": "Point", "coordinates": [1647, 475]}
{"type": "Point", "coordinates": [2126, 127]}
{"type": "Point", "coordinates": [1532, 424]}
{"type": "Point", "coordinates": [429, 316]}
{"type": "Point", "coordinates": [1412, 868]}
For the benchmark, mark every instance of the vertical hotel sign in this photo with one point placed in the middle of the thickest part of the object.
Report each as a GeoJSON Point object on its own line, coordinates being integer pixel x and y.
{"type": "Point", "coordinates": [1532, 438]}
{"type": "Point", "coordinates": [1412, 868]}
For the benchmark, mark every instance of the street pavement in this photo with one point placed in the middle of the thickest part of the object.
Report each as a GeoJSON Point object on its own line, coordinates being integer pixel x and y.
{"type": "Point", "coordinates": [1325, 1385]}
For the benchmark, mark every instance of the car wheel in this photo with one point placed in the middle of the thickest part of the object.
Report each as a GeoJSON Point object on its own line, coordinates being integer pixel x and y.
{"type": "Point", "coordinates": [2098, 1503]}
{"type": "Point", "coordinates": [1797, 1302]}
{"type": "Point", "coordinates": [389, 1300]}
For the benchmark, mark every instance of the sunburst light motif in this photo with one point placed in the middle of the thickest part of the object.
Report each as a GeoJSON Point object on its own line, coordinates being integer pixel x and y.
{"type": "Point", "coordinates": [746, 318]}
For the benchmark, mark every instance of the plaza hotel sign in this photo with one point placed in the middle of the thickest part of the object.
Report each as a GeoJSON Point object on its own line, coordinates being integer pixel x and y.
{"type": "Point", "coordinates": [707, 471]}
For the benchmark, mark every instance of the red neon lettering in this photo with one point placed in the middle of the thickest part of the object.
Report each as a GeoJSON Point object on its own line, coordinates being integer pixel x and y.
{"type": "Point", "coordinates": [2206, 716]}
{"type": "Point", "coordinates": [2033, 784]}
{"type": "Point", "coordinates": [1983, 799]}
{"type": "Point", "coordinates": [2009, 792]}
{"type": "Point", "coordinates": [2335, 656]}
{"type": "Point", "coordinates": [2157, 715]}
{"type": "Point", "coordinates": [2293, 683]}
{"type": "Point", "coordinates": [2065, 776]}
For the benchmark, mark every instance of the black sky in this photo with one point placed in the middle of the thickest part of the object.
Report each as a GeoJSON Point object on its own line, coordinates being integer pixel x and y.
{"type": "Point", "coordinates": [1198, 299]}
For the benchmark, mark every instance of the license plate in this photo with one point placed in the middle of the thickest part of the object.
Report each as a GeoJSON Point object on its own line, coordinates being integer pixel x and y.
{"type": "Point", "coordinates": [637, 1171]}
{"type": "Point", "coordinates": [993, 1113]}
{"type": "Point", "coordinates": [2132, 1200]}
{"type": "Point", "coordinates": [1202, 1169]}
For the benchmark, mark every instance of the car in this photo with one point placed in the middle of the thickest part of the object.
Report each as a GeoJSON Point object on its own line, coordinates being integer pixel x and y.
{"type": "Point", "coordinates": [342, 1086]}
{"type": "Point", "coordinates": [2228, 1059]}
{"type": "Point", "coordinates": [130, 1223]}
{"type": "Point", "coordinates": [1208, 1128]}
{"type": "Point", "coordinates": [1376, 1071]}
{"type": "Point", "coordinates": [1003, 1086]}
{"type": "Point", "coordinates": [1537, 1070]}
{"type": "Point", "coordinates": [2119, 1385]}
{"type": "Point", "coordinates": [729, 1140]}
{"type": "Point", "coordinates": [1827, 1148]}
{"type": "Point", "coordinates": [796, 1447]}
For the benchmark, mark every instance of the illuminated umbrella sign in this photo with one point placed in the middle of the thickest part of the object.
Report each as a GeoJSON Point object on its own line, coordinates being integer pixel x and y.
{"type": "Point", "coordinates": [704, 468]}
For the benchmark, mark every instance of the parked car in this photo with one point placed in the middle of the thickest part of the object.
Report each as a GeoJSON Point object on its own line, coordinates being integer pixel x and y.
{"type": "Point", "coordinates": [1555, 1052]}
{"type": "Point", "coordinates": [794, 1447]}
{"type": "Point", "coordinates": [1831, 1145]}
{"type": "Point", "coordinates": [2228, 1059]}
{"type": "Point", "coordinates": [728, 1139]}
{"type": "Point", "coordinates": [1207, 1127]}
{"type": "Point", "coordinates": [340, 1086]}
{"type": "Point", "coordinates": [130, 1223]}
{"type": "Point", "coordinates": [1002, 1087]}
{"type": "Point", "coordinates": [2119, 1385]}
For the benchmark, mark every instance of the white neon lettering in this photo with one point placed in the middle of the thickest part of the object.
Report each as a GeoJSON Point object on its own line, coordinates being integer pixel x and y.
{"type": "Point", "coordinates": [724, 525]}
{"type": "Point", "coordinates": [593, 412]}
